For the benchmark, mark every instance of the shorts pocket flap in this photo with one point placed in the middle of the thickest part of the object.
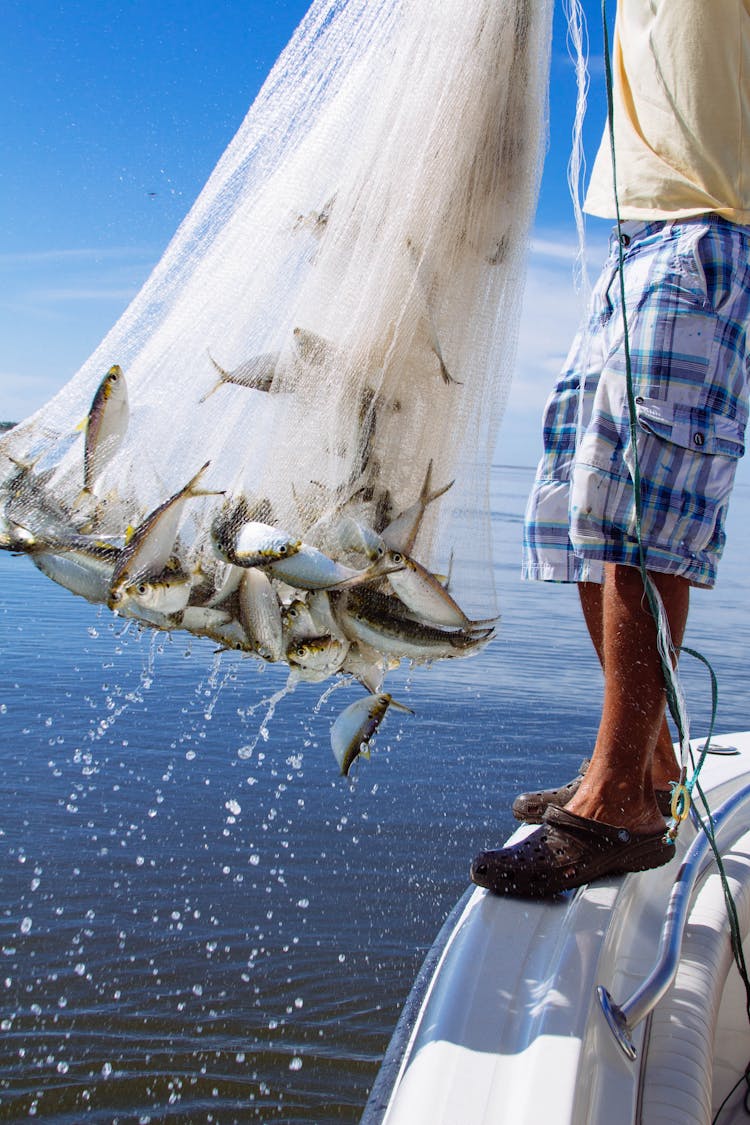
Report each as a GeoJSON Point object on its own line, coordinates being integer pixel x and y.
{"type": "Point", "coordinates": [692, 427]}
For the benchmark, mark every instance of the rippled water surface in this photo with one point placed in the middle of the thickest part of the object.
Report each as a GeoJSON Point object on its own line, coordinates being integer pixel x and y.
{"type": "Point", "coordinates": [201, 922]}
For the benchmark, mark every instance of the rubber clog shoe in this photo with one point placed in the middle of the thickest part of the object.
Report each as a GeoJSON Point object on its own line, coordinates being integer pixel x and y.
{"type": "Point", "coordinates": [567, 851]}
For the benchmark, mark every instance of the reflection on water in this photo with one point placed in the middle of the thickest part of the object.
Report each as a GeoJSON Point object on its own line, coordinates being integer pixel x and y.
{"type": "Point", "coordinates": [200, 920]}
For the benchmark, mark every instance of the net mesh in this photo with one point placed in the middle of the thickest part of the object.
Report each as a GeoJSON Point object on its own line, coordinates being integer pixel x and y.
{"type": "Point", "coordinates": [325, 346]}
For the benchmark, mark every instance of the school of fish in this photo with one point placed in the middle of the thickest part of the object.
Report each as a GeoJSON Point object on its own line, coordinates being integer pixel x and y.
{"type": "Point", "coordinates": [249, 585]}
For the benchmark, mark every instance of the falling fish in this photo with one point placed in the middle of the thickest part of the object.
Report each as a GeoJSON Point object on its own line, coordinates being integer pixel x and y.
{"type": "Point", "coordinates": [255, 373]}
{"type": "Point", "coordinates": [355, 726]}
{"type": "Point", "coordinates": [105, 425]}
{"type": "Point", "coordinates": [150, 547]}
{"type": "Point", "coordinates": [401, 533]}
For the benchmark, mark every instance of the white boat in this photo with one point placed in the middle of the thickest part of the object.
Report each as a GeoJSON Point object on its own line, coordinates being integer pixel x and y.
{"type": "Point", "coordinates": [613, 1004]}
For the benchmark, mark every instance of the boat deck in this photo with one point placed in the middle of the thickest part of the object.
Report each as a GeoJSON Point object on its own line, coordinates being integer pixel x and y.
{"type": "Point", "coordinates": [504, 1023]}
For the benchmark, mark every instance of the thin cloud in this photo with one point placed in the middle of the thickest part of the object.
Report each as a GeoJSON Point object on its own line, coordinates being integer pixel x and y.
{"type": "Point", "coordinates": [77, 255]}
{"type": "Point", "coordinates": [83, 294]}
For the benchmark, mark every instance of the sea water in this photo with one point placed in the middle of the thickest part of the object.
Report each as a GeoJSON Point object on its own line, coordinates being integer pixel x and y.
{"type": "Point", "coordinates": [202, 922]}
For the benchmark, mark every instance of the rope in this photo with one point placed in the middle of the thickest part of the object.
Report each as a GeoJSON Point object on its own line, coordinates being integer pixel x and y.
{"type": "Point", "coordinates": [667, 653]}
{"type": "Point", "coordinates": [683, 790]}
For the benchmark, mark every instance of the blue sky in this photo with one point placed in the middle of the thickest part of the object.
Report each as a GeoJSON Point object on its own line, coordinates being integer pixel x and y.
{"type": "Point", "coordinates": [115, 114]}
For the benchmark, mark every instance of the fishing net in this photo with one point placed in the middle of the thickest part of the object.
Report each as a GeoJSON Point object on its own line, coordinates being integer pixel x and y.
{"type": "Point", "coordinates": [287, 436]}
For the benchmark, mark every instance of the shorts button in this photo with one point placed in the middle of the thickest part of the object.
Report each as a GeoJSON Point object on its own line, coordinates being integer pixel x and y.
{"type": "Point", "coordinates": [699, 439]}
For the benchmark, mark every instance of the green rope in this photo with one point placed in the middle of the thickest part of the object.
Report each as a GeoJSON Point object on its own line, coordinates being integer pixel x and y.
{"type": "Point", "coordinates": [670, 682]}
{"type": "Point", "coordinates": [672, 694]}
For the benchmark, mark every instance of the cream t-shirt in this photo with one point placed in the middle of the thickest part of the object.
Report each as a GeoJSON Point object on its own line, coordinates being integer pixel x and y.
{"type": "Point", "coordinates": [681, 78]}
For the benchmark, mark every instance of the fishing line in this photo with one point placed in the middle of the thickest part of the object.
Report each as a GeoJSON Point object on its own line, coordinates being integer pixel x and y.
{"type": "Point", "coordinates": [578, 49]}
{"type": "Point", "coordinates": [667, 652]}
{"type": "Point", "coordinates": [675, 698]}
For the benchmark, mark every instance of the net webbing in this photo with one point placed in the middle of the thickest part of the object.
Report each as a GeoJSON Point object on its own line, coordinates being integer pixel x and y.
{"type": "Point", "coordinates": [324, 347]}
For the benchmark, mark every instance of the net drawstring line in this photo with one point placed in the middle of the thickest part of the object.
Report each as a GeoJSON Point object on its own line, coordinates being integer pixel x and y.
{"type": "Point", "coordinates": [683, 790]}
{"type": "Point", "coordinates": [667, 651]}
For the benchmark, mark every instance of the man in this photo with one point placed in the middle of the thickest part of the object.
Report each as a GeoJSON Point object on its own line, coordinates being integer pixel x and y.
{"type": "Point", "coordinates": [681, 88]}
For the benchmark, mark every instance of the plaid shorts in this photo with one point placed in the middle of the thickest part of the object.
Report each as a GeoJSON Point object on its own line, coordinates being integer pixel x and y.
{"type": "Point", "coordinates": [687, 293]}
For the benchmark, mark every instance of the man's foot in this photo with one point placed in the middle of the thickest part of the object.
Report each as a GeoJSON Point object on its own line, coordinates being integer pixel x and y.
{"type": "Point", "coordinates": [531, 807]}
{"type": "Point", "coordinates": [566, 852]}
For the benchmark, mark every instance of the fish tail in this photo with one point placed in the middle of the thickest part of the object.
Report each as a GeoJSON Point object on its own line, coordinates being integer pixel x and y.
{"type": "Point", "coordinates": [481, 623]}
{"type": "Point", "coordinates": [427, 494]}
{"type": "Point", "coordinates": [401, 707]}
{"type": "Point", "coordinates": [223, 378]}
{"type": "Point", "coordinates": [208, 394]}
{"type": "Point", "coordinates": [191, 490]}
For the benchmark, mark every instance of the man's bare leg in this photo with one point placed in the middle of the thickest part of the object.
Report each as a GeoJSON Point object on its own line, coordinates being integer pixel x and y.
{"type": "Point", "coordinates": [618, 785]}
{"type": "Point", "coordinates": [664, 766]}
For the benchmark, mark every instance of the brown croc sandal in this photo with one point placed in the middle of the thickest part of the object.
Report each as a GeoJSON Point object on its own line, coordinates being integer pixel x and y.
{"type": "Point", "coordinates": [531, 807]}
{"type": "Point", "coordinates": [567, 851]}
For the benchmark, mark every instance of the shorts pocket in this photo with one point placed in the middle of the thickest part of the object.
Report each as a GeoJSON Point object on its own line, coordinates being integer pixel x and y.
{"type": "Point", "coordinates": [692, 427]}
{"type": "Point", "coordinates": [687, 457]}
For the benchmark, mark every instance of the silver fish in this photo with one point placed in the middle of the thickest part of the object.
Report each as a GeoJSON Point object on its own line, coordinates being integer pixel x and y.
{"type": "Point", "coordinates": [317, 658]}
{"type": "Point", "coordinates": [435, 345]}
{"type": "Point", "coordinates": [322, 615]}
{"type": "Point", "coordinates": [367, 666]}
{"type": "Point", "coordinates": [310, 569]}
{"type": "Point", "coordinates": [375, 620]}
{"type": "Point", "coordinates": [84, 569]}
{"type": "Point", "coordinates": [316, 221]}
{"type": "Point", "coordinates": [424, 594]}
{"type": "Point", "coordinates": [355, 726]}
{"type": "Point", "coordinates": [165, 595]}
{"type": "Point", "coordinates": [354, 536]}
{"type": "Point", "coordinates": [242, 533]}
{"type": "Point", "coordinates": [105, 425]}
{"type": "Point", "coordinates": [313, 348]}
{"type": "Point", "coordinates": [151, 545]}
{"type": "Point", "coordinates": [297, 622]}
{"type": "Point", "coordinates": [255, 373]}
{"type": "Point", "coordinates": [17, 538]}
{"type": "Point", "coordinates": [260, 615]}
{"type": "Point", "coordinates": [257, 544]}
{"type": "Point", "coordinates": [30, 506]}
{"type": "Point", "coordinates": [217, 624]}
{"type": "Point", "coordinates": [401, 533]}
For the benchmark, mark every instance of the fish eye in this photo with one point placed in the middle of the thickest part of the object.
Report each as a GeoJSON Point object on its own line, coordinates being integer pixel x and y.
{"type": "Point", "coordinates": [282, 550]}
{"type": "Point", "coordinates": [398, 557]}
{"type": "Point", "coordinates": [142, 587]}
